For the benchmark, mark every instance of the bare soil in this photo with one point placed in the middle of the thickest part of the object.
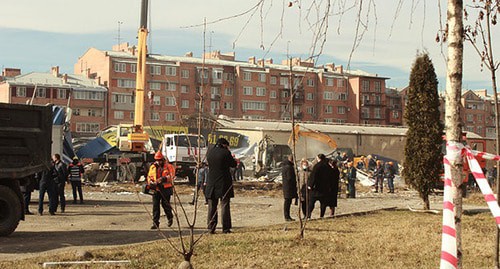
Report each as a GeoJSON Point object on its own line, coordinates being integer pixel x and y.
{"type": "Point", "coordinates": [119, 214]}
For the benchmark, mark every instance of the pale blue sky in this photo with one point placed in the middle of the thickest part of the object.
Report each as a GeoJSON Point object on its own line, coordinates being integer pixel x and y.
{"type": "Point", "coordinates": [39, 34]}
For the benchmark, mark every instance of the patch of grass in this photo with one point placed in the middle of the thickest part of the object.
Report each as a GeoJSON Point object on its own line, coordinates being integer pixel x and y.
{"type": "Point", "coordinates": [388, 239]}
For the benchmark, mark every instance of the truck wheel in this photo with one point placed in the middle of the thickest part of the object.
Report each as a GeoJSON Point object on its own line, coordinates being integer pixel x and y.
{"type": "Point", "coordinates": [10, 211]}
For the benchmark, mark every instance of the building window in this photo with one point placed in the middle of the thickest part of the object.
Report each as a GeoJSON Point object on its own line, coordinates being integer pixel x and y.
{"type": "Point", "coordinates": [76, 112]}
{"type": "Point", "coordinates": [272, 108]}
{"type": "Point", "coordinates": [310, 82]}
{"type": "Point", "coordinates": [259, 91]}
{"type": "Point", "coordinates": [214, 107]}
{"type": "Point", "coordinates": [155, 116]}
{"type": "Point", "coordinates": [328, 109]}
{"type": "Point", "coordinates": [252, 105]}
{"type": "Point", "coordinates": [133, 68]}
{"type": "Point", "coordinates": [185, 104]}
{"type": "Point", "coordinates": [377, 113]}
{"type": "Point", "coordinates": [247, 76]}
{"type": "Point", "coordinates": [171, 87]}
{"type": "Point", "coordinates": [262, 77]}
{"type": "Point", "coordinates": [41, 92]}
{"type": "Point", "coordinates": [340, 83]}
{"type": "Point", "coordinates": [184, 89]}
{"type": "Point", "coordinates": [88, 95]}
{"type": "Point", "coordinates": [155, 70]}
{"type": "Point", "coordinates": [228, 105]}
{"type": "Point", "coordinates": [171, 71]}
{"type": "Point", "coordinates": [122, 98]}
{"type": "Point", "coordinates": [343, 96]}
{"type": "Point", "coordinates": [310, 110]}
{"type": "Point", "coordinates": [156, 100]}
{"type": "Point", "coordinates": [82, 127]}
{"type": "Point", "coordinates": [214, 91]}
{"type": "Point", "coordinates": [479, 118]}
{"type": "Point", "coordinates": [285, 94]}
{"type": "Point", "coordinates": [284, 81]}
{"type": "Point", "coordinates": [170, 101]}
{"type": "Point", "coordinates": [118, 115]}
{"type": "Point", "coordinates": [272, 94]}
{"type": "Point", "coordinates": [341, 110]}
{"type": "Point", "coordinates": [328, 95]}
{"type": "Point", "coordinates": [132, 115]}
{"type": "Point", "coordinates": [91, 112]}
{"type": "Point", "coordinates": [329, 81]}
{"type": "Point", "coordinates": [247, 91]}
{"type": "Point", "coordinates": [228, 91]}
{"type": "Point", "coordinates": [274, 80]}
{"type": "Point", "coordinates": [378, 86]}
{"type": "Point", "coordinates": [170, 116]}
{"type": "Point", "coordinates": [329, 120]}
{"type": "Point", "coordinates": [217, 74]}
{"type": "Point", "coordinates": [61, 93]}
{"type": "Point", "coordinates": [154, 85]}
{"type": "Point", "coordinates": [470, 117]}
{"type": "Point", "coordinates": [184, 73]}
{"type": "Point", "coordinates": [395, 114]}
{"type": "Point", "coordinates": [310, 96]}
{"type": "Point", "coordinates": [365, 86]}
{"type": "Point", "coordinates": [126, 83]}
{"type": "Point", "coordinates": [229, 76]}
{"type": "Point", "coordinates": [121, 67]}
{"type": "Point", "coordinates": [21, 91]}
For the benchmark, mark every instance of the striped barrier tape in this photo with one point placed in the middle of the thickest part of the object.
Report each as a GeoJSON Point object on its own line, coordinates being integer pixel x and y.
{"type": "Point", "coordinates": [455, 150]}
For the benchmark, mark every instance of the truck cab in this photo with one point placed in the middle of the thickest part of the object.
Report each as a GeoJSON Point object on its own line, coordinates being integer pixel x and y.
{"type": "Point", "coordinates": [183, 150]}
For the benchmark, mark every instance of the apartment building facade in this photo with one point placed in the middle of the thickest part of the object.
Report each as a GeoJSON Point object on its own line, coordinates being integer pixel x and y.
{"type": "Point", "coordinates": [84, 96]}
{"type": "Point", "coordinates": [255, 89]}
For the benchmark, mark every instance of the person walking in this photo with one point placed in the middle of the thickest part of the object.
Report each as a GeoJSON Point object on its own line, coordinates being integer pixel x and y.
{"type": "Point", "coordinates": [61, 172]}
{"type": "Point", "coordinates": [289, 186]}
{"type": "Point", "coordinates": [219, 185]}
{"type": "Point", "coordinates": [161, 180]}
{"type": "Point", "coordinates": [304, 174]}
{"type": "Point", "coordinates": [378, 174]}
{"type": "Point", "coordinates": [240, 166]}
{"type": "Point", "coordinates": [323, 185]}
{"type": "Point", "coordinates": [27, 187]}
{"type": "Point", "coordinates": [202, 172]}
{"type": "Point", "coordinates": [75, 172]}
{"type": "Point", "coordinates": [47, 185]}
{"type": "Point", "coordinates": [351, 180]}
{"type": "Point", "coordinates": [390, 173]}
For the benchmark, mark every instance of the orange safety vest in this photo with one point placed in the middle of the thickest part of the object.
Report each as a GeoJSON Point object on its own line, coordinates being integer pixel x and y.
{"type": "Point", "coordinates": [156, 172]}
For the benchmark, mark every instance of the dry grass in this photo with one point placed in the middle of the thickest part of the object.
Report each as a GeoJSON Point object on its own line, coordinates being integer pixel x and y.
{"type": "Point", "coordinates": [389, 239]}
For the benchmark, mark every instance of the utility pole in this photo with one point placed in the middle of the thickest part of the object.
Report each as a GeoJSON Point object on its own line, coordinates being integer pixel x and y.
{"type": "Point", "coordinates": [119, 39]}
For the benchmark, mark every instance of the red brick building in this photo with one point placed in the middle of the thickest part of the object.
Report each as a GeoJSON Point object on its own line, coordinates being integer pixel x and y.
{"type": "Point", "coordinates": [256, 89]}
{"type": "Point", "coordinates": [84, 96]}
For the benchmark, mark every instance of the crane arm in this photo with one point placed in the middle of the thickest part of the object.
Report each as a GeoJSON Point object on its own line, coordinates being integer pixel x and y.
{"type": "Point", "coordinates": [317, 135]}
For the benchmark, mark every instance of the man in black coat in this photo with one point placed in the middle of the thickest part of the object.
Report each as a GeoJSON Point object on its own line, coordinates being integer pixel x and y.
{"type": "Point", "coordinates": [289, 185]}
{"type": "Point", "coordinates": [323, 184]}
{"type": "Point", "coordinates": [219, 185]}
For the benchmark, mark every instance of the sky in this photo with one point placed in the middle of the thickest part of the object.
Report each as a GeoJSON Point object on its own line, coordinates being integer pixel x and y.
{"type": "Point", "coordinates": [39, 34]}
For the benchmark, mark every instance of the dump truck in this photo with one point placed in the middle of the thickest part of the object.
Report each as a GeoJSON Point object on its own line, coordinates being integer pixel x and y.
{"type": "Point", "coordinates": [25, 149]}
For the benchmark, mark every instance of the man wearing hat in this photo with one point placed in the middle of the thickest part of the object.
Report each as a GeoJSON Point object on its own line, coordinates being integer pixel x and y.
{"type": "Point", "coordinates": [161, 179]}
{"type": "Point", "coordinates": [219, 185]}
{"type": "Point", "coordinates": [75, 172]}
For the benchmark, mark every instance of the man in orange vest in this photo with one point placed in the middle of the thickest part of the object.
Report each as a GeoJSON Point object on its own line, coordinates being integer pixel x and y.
{"type": "Point", "coordinates": [160, 179]}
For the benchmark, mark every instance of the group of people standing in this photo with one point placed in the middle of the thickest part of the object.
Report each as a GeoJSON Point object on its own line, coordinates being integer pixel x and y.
{"type": "Point", "coordinates": [53, 181]}
{"type": "Point", "coordinates": [319, 183]}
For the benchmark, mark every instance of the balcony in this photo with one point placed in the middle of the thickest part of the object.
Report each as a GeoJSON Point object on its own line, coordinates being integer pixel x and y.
{"type": "Point", "coordinates": [216, 81]}
{"type": "Point", "coordinates": [298, 97]}
{"type": "Point", "coordinates": [372, 103]}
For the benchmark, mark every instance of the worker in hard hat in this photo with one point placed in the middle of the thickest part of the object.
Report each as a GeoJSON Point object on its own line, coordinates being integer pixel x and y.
{"type": "Point", "coordinates": [160, 179]}
{"type": "Point", "coordinates": [389, 173]}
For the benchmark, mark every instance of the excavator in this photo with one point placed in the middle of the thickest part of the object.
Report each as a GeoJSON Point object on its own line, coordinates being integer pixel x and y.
{"type": "Point", "coordinates": [324, 138]}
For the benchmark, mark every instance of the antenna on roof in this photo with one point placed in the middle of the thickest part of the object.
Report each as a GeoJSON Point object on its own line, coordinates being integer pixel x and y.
{"type": "Point", "coordinates": [119, 38]}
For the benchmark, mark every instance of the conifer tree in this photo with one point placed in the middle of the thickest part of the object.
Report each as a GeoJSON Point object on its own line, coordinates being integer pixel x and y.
{"type": "Point", "coordinates": [423, 157]}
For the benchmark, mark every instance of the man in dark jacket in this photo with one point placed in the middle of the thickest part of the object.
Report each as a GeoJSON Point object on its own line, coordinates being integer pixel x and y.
{"type": "Point", "coordinates": [47, 185]}
{"type": "Point", "coordinates": [323, 185]}
{"type": "Point", "coordinates": [219, 185]}
{"type": "Point", "coordinates": [61, 172]}
{"type": "Point", "coordinates": [289, 186]}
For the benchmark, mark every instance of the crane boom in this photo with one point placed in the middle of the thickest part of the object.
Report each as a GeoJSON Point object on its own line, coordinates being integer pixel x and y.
{"type": "Point", "coordinates": [324, 138]}
{"type": "Point", "coordinates": [137, 138]}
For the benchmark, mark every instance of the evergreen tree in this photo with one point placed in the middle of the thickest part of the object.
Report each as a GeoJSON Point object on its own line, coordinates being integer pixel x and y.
{"type": "Point", "coordinates": [423, 157]}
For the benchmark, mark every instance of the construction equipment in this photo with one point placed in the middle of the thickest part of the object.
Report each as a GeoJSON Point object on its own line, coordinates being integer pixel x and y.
{"type": "Point", "coordinates": [137, 138]}
{"type": "Point", "coordinates": [312, 134]}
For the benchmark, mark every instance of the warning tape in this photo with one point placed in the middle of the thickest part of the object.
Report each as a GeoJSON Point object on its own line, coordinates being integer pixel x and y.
{"type": "Point", "coordinates": [456, 150]}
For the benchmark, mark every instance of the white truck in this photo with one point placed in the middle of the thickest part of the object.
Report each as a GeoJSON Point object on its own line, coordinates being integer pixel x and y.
{"type": "Point", "coordinates": [183, 151]}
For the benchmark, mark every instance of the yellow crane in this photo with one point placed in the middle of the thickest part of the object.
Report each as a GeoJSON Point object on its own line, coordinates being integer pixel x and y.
{"type": "Point", "coordinates": [136, 136]}
{"type": "Point", "coordinates": [324, 138]}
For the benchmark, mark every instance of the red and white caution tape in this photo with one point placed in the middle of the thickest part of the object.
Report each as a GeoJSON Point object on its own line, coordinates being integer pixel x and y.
{"type": "Point", "coordinates": [454, 151]}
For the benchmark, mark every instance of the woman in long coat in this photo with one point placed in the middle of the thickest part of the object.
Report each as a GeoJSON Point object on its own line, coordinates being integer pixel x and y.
{"type": "Point", "coordinates": [323, 185]}
{"type": "Point", "coordinates": [289, 186]}
{"type": "Point", "coordinates": [304, 174]}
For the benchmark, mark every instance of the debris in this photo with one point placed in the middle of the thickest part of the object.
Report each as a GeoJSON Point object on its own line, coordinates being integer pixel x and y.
{"type": "Point", "coordinates": [83, 254]}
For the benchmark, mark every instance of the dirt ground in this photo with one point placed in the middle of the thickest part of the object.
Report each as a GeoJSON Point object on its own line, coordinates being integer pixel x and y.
{"type": "Point", "coordinates": [118, 214]}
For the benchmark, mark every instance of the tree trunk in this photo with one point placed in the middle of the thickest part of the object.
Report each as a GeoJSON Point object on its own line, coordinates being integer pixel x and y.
{"type": "Point", "coordinates": [453, 94]}
{"type": "Point", "coordinates": [427, 205]}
